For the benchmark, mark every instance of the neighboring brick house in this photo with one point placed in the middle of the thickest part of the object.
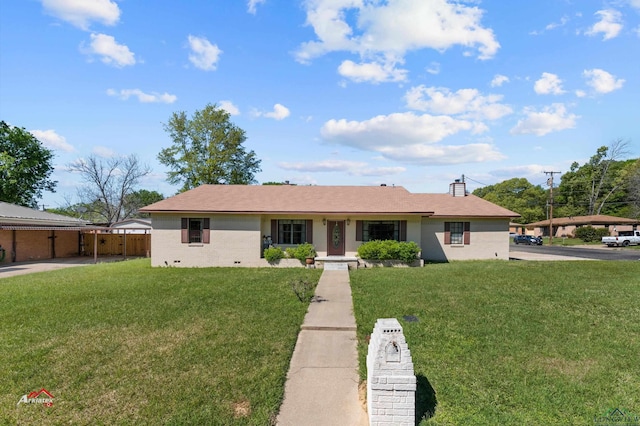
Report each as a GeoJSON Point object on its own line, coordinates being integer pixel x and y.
{"type": "Point", "coordinates": [229, 225]}
{"type": "Point", "coordinates": [28, 234]}
{"type": "Point", "coordinates": [566, 226]}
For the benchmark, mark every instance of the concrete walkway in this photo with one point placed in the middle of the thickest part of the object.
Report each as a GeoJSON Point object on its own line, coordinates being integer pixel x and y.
{"type": "Point", "coordinates": [322, 383]}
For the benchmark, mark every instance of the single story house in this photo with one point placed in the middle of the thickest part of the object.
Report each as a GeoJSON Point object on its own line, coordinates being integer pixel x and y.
{"type": "Point", "coordinates": [132, 226]}
{"type": "Point", "coordinates": [566, 226]}
{"type": "Point", "coordinates": [230, 225]}
{"type": "Point", "coordinates": [29, 234]}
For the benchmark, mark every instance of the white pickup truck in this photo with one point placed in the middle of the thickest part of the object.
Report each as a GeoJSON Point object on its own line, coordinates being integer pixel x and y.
{"type": "Point", "coordinates": [624, 238]}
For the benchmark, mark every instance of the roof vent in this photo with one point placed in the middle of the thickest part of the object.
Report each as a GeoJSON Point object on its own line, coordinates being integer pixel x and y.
{"type": "Point", "coordinates": [383, 184]}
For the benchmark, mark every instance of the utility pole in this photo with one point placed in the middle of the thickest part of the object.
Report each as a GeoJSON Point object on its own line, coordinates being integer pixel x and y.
{"type": "Point", "coordinates": [550, 183]}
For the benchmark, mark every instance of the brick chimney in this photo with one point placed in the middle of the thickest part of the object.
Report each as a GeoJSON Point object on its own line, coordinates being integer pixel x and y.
{"type": "Point", "coordinates": [458, 189]}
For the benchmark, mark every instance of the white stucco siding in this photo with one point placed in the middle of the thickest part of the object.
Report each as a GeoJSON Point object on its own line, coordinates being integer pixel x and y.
{"type": "Point", "coordinates": [234, 241]}
{"type": "Point", "coordinates": [489, 239]}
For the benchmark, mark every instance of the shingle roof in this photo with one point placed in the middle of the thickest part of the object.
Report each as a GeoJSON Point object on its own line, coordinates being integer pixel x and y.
{"type": "Point", "coordinates": [598, 219]}
{"type": "Point", "coordinates": [12, 214]}
{"type": "Point", "coordinates": [245, 199]}
{"type": "Point", "coordinates": [445, 205]}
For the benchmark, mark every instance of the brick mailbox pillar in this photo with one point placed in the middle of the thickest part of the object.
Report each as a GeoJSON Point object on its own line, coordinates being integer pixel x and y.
{"type": "Point", "coordinates": [391, 382]}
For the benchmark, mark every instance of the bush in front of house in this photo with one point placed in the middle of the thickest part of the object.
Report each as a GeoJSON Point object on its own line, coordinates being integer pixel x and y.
{"type": "Point", "coordinates": [589, 233]}
{"type": "Point", "coordinates": [302, 252]}
{"type": "Point", "coordinates": [273, 254]}
{"type": "Point", "coordinates": [407, 252]}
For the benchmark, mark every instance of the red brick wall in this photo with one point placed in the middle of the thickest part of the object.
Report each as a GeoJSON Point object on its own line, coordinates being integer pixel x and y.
{"type": "Point", "coordinates": [36, 245]}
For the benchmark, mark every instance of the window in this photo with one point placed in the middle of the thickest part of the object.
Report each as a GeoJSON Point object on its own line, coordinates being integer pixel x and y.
{"type": "Point", "coordinates": [195, 230]}
{"type": "Point", "coordinates": [291, 231]}
{"type": "Point", "coordinates": [369, 230]}
{"type": "Point", "coordinates": [457, 233]}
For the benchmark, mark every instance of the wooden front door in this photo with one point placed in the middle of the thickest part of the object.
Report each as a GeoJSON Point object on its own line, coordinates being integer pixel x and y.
{"type": "Point", "coordinates": [335, 238]}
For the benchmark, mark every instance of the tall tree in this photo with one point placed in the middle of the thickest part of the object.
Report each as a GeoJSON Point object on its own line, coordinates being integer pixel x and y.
{"type": "Point", "coordinates": [108, 183]}
{"type": "Point", "coordinates": [138, 199]}
{"type": "Point", "coordinates": [25, 167]}
{"type": "Point", "coordinates": [633, 190]}
{"type": "Point", "coordinates": [207, 149]}
{"type": "Point", "coordinates": [587, 189]}
{"type": "Point", "coordinates": [517, 195]}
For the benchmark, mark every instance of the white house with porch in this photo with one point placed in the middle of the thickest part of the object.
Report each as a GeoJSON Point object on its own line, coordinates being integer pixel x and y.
{"type": "Point", "coordinates": [230, 225]}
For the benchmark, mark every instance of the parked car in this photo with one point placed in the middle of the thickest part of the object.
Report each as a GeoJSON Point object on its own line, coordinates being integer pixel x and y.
{"type": "Point", "coordinates": [527, 239]}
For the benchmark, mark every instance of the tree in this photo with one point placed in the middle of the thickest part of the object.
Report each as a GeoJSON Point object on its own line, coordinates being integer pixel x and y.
{"type": "Point", "coordinates": [207, 149]}
{"type": "Point", "coordinates": [633, 190]}
{"type": "Point", "coordinates": [588, 189]}
{"type": "Point", "coordinates": [517, 195]}
{"type": "Point", "coordinates": [138, 199]}
{"type": "Point", "coordinates": [108, 183]}
{"type": "Point", "coordinates": [25, 167]}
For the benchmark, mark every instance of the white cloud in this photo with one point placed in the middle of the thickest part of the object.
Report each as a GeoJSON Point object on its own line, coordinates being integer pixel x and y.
{"type": "Point", "coordinates": [601, 81]}
{"type": "Point", "coordinates": [533, 172]}
{"type": "Point", "coordinates": [372, 72]}
{"type": "Point", "coordinates": [109, 50]}
{"type": "Point", "coordinates": [52, 140]}
{"type": "Point", "coordinates": [353, 168]}
{"type": "Point", "coordinates": [252, 4]}
{"type": "Point", "coordinates": [204, 55]}
{"type": "Point", "coordinates": [548, 84]}
{"type": "Point", "coordinates": [384, 31]}
{"type": "Point", "coordinates": [634, 3]}
{"type": "Point", "coordinates": [499, 80]}
{"type": "Point", "coordinates": [229, 107]}
{"type": "Point", "coordinates": [581, 93]}
{"type": "Point", "coordinates": [551, 119]}
{"type": "Point", "coordinates": [433, 68]}
{"type": "Point", "coordinates": [609, 24]}
{"type": "Point", "coordinates": [449, 154]}
{"type": "Point", "coordinates": [81, 13]}
{"type": "Point", "coordinates": [468, 103]}
{"type": "Point", "coordinates": [153, 97]}
{"type": "Point", "coordinates": [410, 137]}
{"type": "Point", "coordinates": [280, 112]}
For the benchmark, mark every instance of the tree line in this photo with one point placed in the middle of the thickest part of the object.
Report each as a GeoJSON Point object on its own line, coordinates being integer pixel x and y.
{"type": "Point", "coordinates": [607, 184]}
{"type": "Point", "coordinates": [206, 149]}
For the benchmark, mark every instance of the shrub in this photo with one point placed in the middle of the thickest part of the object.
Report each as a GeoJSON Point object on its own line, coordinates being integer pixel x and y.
{"type": "Point", "coordinates": [302, 252]}
{"type": "Point", "coordinates": [406, 252]}
{"type": "Point", "coordinates": [589, 233]}
{"type": "Point", "coordinates": [273, 254]}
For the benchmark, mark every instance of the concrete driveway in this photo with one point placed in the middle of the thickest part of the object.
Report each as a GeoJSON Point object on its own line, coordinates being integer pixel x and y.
{"type": "Point", "coordinates": [21, 268]}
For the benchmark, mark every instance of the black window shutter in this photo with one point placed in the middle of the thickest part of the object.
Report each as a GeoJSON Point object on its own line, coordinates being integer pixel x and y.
{"type": "Point", "coordinates": [184, 228]}
{"type": "Point", "coordinates": [467, 232]}
{"type": "Point", "coordinates": [359, 233]}
{"type": "Point", "coordinates": [206, 231]}
{"type": "Point", "coordinates": [403, 230]}
{"type": "Point", "coordinates": [309, 226]}
{"type": "Point", "coordinates": [447, 233]}
{"type": "Point", "coordinates": [274, 231]}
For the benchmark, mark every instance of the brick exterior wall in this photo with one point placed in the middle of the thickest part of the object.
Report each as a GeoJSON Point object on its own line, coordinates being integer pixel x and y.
{"type": "Point", "coordinates": [37, 245]}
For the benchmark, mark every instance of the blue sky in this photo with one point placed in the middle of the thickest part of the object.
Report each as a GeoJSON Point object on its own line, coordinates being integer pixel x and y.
{"type": "Point", "coordinates": [412, 93]}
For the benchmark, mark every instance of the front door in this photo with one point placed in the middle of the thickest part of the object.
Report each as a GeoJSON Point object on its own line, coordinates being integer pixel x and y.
{"type": "Point", "coordinates": [335, 238]}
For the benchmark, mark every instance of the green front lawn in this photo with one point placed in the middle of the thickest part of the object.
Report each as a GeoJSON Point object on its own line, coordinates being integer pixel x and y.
{"type": "Point", "coordinates": [125, 343]}
{"type": "Point", "coordinates": [513, 343]}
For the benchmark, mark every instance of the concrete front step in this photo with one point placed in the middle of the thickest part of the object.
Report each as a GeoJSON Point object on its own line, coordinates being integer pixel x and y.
{"type": "Point", "coordinates": [336, 266]}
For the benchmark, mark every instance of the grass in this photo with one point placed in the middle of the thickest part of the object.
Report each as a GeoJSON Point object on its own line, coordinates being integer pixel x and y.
{"type": "Point", "coordinates": [126, 343]}
{"type": "Point", "coordinates": [512, 343]}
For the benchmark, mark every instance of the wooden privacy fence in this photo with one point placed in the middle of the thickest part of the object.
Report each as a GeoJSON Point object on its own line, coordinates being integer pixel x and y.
{"type": "Point", "coordinates": [116, 244]}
